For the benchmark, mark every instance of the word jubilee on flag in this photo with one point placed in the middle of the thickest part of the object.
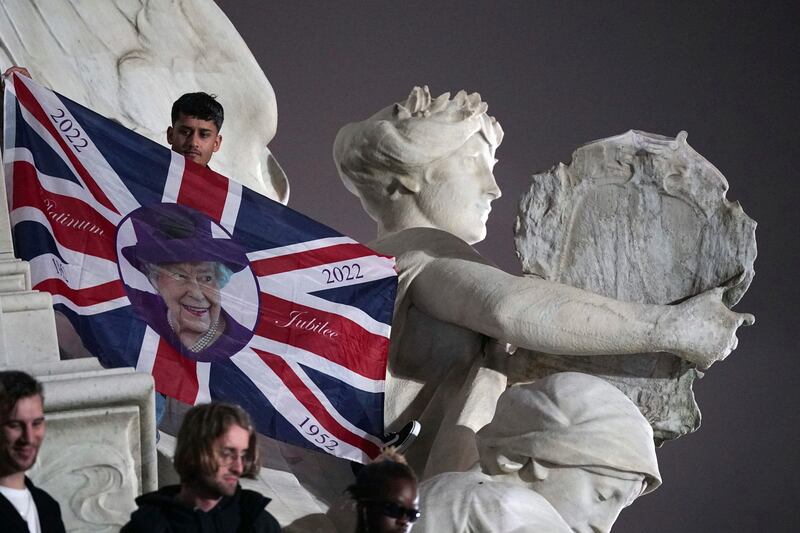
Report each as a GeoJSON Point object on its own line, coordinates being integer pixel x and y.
{"type": "Point", "coordinates": [218, 292]}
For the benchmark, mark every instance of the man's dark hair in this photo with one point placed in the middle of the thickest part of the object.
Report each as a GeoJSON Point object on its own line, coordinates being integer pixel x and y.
{"type": "Point", "coordinates": [202, 425]}
{"type": "Point", "coordinates": [15, 385]}
{"type": "Point", "coordinates": [199, 105]}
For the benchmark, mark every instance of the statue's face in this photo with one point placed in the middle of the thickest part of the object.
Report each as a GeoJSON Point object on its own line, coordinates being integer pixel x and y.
{"type": "Point", "coordinates": [589, 502]}
{"type": "Point", "coordinates": [459, 189]}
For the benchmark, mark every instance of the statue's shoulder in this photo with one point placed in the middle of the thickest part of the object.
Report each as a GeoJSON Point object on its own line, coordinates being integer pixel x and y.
{"type": "Point", "coordinates": [428, 242]}
{"type": "Point", "coordinates": [488, 505]}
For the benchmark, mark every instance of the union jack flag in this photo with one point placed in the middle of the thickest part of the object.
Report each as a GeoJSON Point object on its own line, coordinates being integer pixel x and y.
{"type": "Point", "coordinates": [307, 311]}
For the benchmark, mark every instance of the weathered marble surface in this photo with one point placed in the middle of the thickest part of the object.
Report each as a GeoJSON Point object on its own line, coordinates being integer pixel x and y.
{"type": "Point", "coordinates": [96, 494]}
{"type": "Point", "coordinates": [129, 60]}
{"type": "Point", "coordinates": [99, 451]}
{"type": "Point", "coordinates": [423, 170]}
{"type": "Point", "coordinates": [641, 218]}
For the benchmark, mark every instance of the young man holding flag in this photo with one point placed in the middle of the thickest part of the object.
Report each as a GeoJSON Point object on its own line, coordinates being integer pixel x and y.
{"type": "Point", "coordinates": [303, 387]}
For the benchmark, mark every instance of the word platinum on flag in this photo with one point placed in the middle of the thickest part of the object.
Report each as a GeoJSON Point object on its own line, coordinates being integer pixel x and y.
{"type": "Point", "coordinates": [218, 292]}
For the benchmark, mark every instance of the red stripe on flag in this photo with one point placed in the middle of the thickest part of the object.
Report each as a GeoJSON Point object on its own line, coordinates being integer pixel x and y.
{"type": "Point", "coordinates": [76, 225]}
{"type": "Point", "coordinates": [26, 98]}
{"type": "Point", "coordinates": [313, 405]}
{"type": "Point", "coordinates": [203, 189]}
{"type": "Point", "coordinates": [102, 293]}
{"type": "Point", "coordinates": [311, 258]}
{"type": "Point", "coordinates": [332, 336]}
{"type": "Point", "coordinates": [175, 375]}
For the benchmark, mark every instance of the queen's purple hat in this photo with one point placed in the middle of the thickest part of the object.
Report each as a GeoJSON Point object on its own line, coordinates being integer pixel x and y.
{"type": "Point", "coordinates": [172, 233]}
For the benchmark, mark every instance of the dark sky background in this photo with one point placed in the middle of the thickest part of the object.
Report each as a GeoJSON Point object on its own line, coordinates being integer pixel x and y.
{"type": "Point", "coordinates": [556, 75]}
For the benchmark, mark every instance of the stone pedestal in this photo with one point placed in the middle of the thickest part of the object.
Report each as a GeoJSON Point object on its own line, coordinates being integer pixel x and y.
{"type": "Point", "coordinates": [99, 453]}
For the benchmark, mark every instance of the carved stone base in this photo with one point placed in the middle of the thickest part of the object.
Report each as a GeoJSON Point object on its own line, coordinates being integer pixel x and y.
{"type": "Point", "coordinates": [99, 453]}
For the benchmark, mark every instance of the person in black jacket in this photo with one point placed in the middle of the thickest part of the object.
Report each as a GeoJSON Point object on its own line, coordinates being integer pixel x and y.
{"type": "Point", "coordinates": [23, 507]}
{"type": "Point", "coordinates": [216, 447]}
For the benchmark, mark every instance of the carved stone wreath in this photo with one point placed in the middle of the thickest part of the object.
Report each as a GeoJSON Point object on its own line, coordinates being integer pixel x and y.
{"type": "Point", "coordinates": [641, 218]}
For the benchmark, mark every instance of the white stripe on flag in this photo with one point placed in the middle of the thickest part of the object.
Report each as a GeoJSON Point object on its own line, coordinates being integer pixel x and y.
{"type": "Point", "coordinates": [203, 371]}
{"type": "Point", "coordinates": [70, 256]}
{"type": "Point", "coordinates": [91, 309]}
{"type": "Point", "coordinates": [45, 135]}
{"type": "Point", "coordinates": [81, 275]}
{"type": "Point", "coordinates": [147, 353]}
{"type": "Point", "coordinates": [294, 354]}
{"type": "Point", "coordinates": [299, 247]}
{"type": "Point", "coordinates": [62, 186]}
{"type": "Point", "coordinates": [336, 274]}
{"type": "Point", "coordinates": [172, 187]}
{"type": "Point", "coordinates": [329, 407]}
{"type": "Point", "coordinates": [273, 388]}
{"type": "Point", "coordinates": [93, 161]}
{"type": "Point", "coordinates": [287, 292]}
{"type": "Point", "coordinates": [231, 210]}
{"type": "Point", "coordinates": [9, 136]}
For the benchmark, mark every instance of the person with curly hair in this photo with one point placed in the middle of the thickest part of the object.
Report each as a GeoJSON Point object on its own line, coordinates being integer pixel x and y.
{"type": "Point", "coordinates": [385, 493]}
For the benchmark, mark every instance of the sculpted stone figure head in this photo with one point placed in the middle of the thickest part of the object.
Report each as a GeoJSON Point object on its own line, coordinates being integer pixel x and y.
{"type": "Point", "coordinates": [576, 440]}
{"type": "Point", "coordinates": [425, 162]}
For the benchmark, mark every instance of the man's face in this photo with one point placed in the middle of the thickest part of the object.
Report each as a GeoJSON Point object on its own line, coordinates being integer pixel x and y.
{"type": "Point", "coordinates": [22, 435]}
{"type": "Point", "coordinates": [459, 189]}
{"type": "Point", "coordinates": [588, 502]}
{"type": "Point", "coordinates": [191, 292]}
{"type": "Point", "coordinates": [229, 450]}
{"type": "Point", "coordinates": [388, 512]}
{"type": "Point", "coordinates": [195, 138]}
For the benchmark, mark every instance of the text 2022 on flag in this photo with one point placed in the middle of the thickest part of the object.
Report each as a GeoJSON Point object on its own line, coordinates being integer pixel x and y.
{"type": "Point", "coordinates": [220, 293]}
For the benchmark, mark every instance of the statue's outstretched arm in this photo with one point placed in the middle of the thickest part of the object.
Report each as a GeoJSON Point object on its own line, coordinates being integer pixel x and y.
{"type": "Point", "coordinates": [554, 318]}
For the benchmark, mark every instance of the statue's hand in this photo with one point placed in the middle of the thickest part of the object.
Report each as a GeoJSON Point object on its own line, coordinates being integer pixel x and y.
{"type": "Point", "coordinates": [701, 330]}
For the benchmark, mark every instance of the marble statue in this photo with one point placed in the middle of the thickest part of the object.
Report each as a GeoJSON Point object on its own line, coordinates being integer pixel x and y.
{"type": "Point", "coordinates": [129, 60]}
{"type": "Point", "coordinates": [565, 453]}
{"type": "Point", "coordinates": [422, 169]}
{"type": "Point", "coordinates": [641, 218]}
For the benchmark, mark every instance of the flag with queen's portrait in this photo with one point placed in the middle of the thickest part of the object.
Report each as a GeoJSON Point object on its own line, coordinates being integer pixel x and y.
{"type": "Point", "coordinates": [218, 292]}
